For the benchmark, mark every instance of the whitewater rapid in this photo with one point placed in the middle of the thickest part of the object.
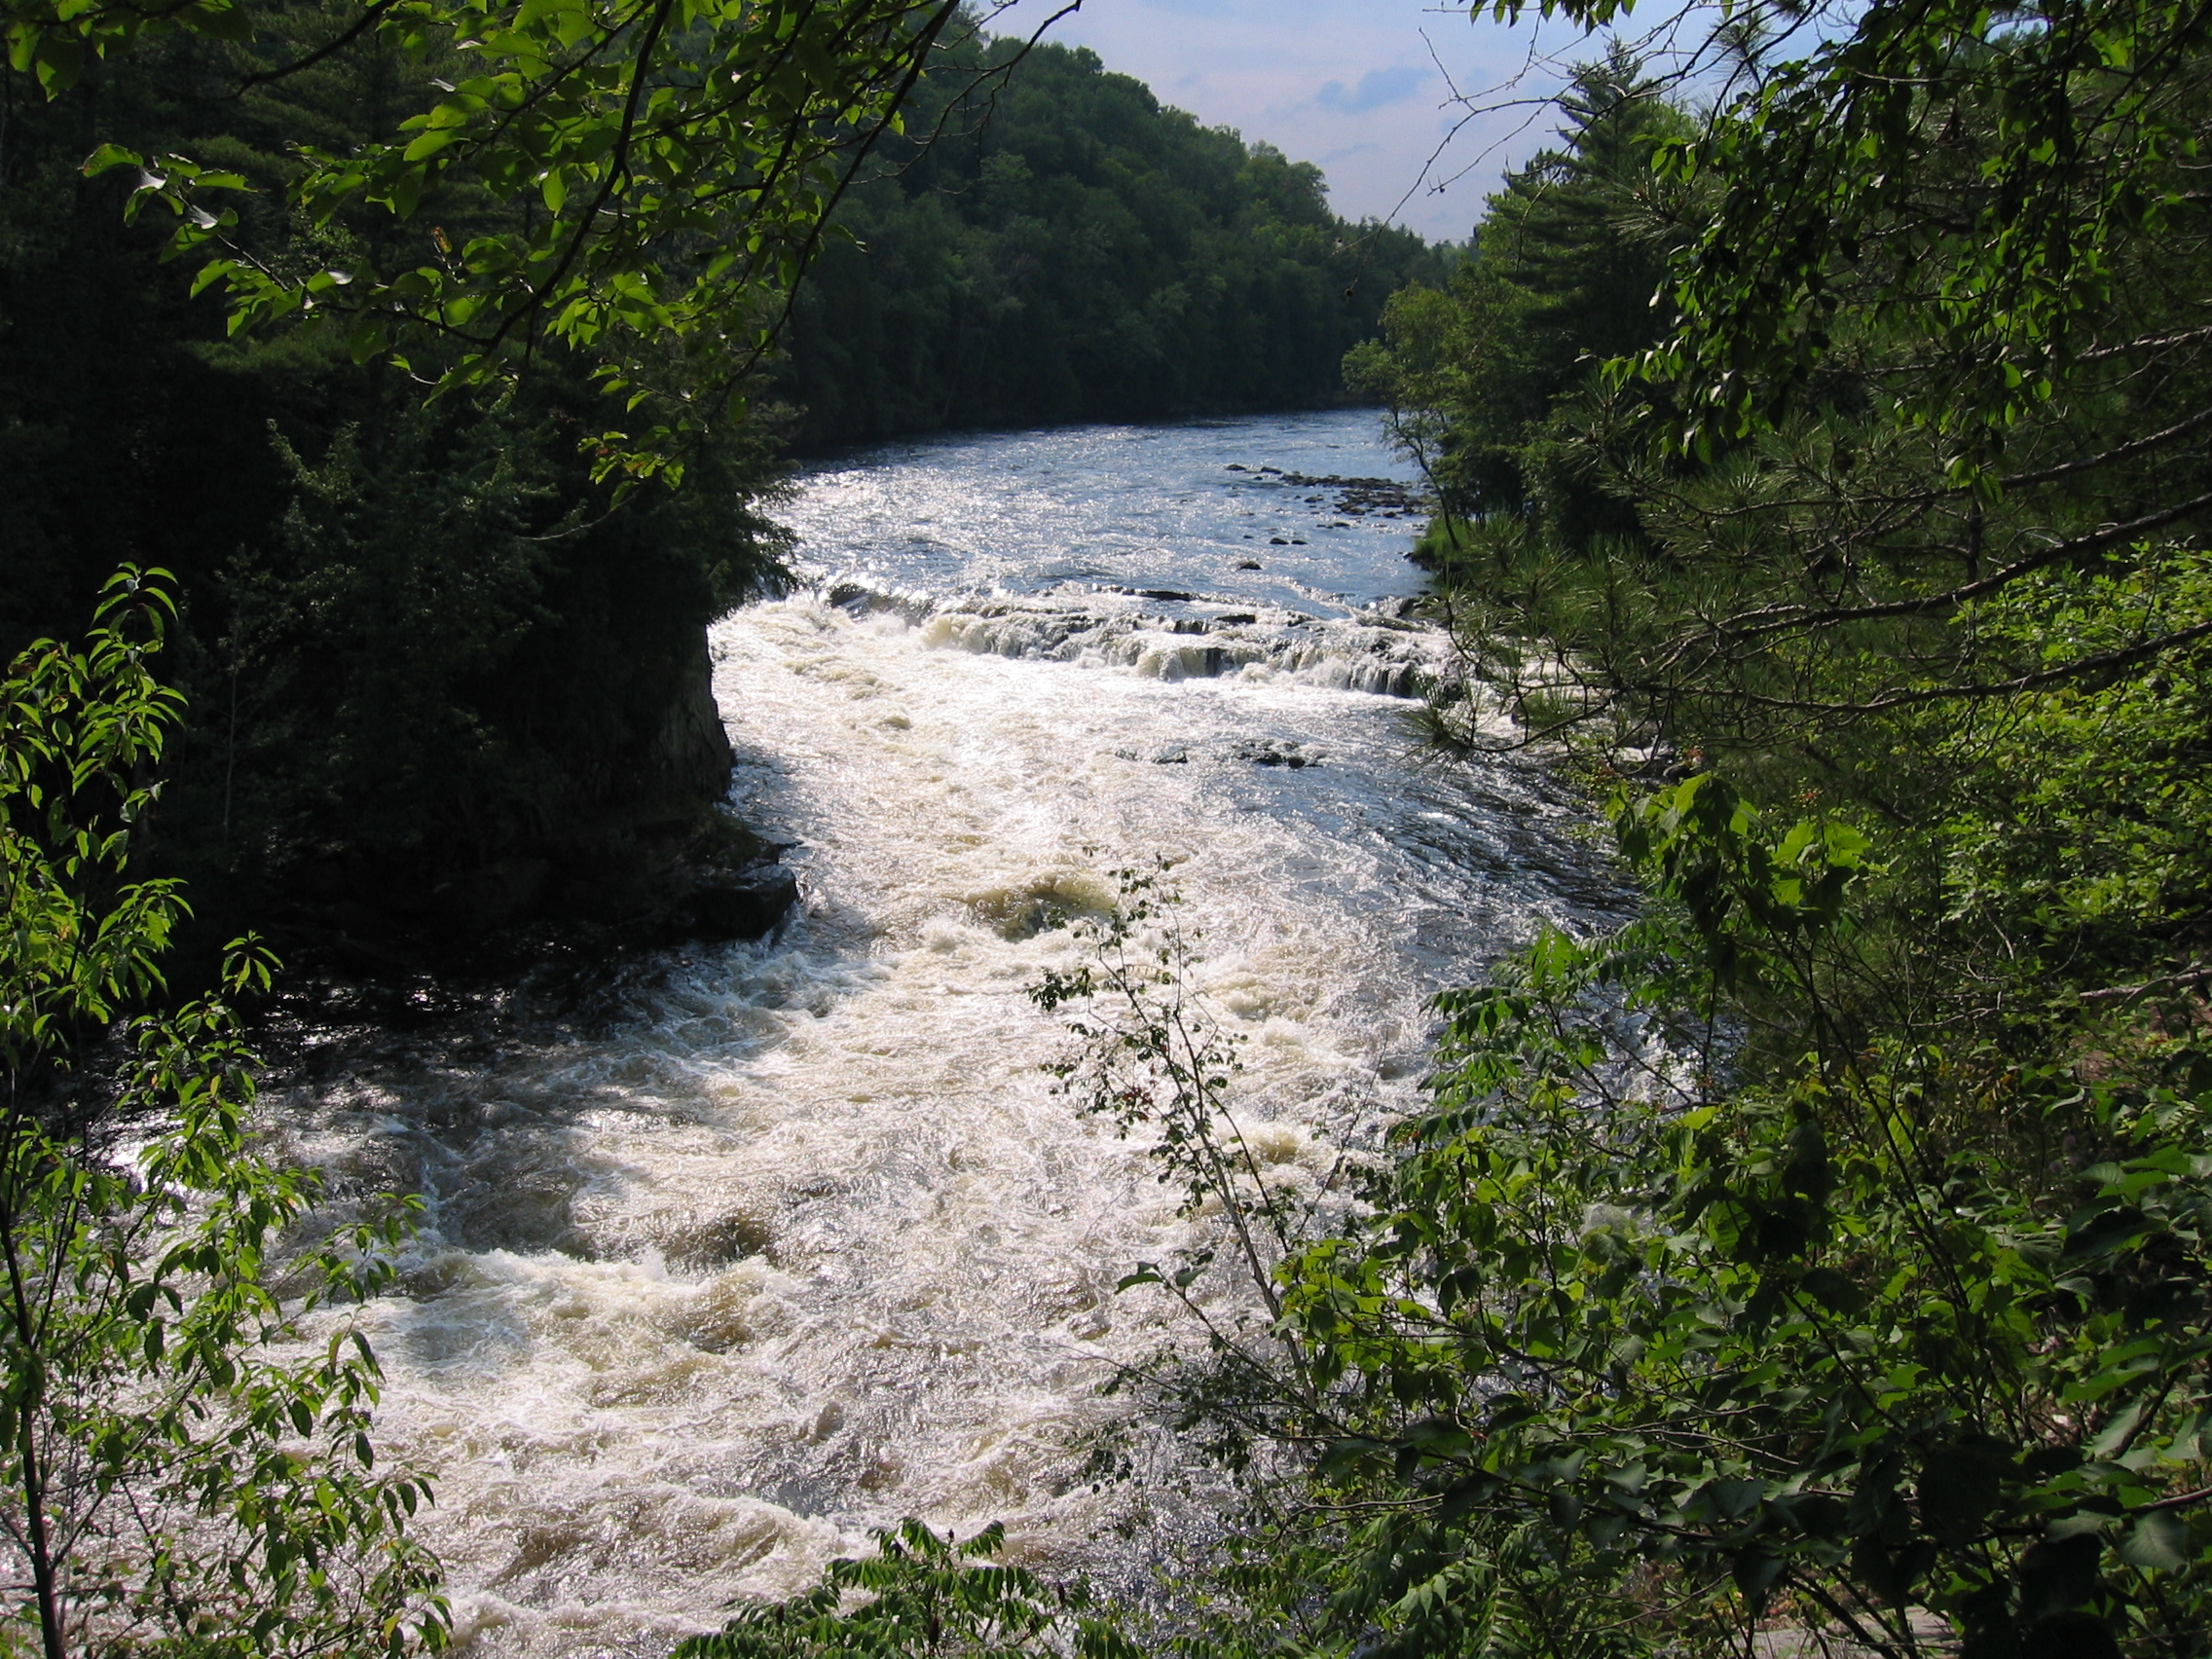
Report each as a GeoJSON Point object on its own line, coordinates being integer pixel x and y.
{"type": "Point", "coordinates": [754, 1248]}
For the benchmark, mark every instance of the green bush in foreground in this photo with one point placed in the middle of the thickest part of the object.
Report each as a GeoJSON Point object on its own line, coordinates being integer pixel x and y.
{"type": "Point", "coordinates": [176, 1476]}
{"type": "Point", "coordinates": [920, 1594]}
{"type": "Point", "coordinates": [1888, 1327]}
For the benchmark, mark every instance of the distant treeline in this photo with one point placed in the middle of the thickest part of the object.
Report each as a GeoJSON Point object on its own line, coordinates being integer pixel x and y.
{"type": "Point", "coordinates": [1069, 249]}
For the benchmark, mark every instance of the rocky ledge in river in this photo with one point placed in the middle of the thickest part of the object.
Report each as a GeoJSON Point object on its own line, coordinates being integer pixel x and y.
{"type": "Point", "coordinates": [552, 930]}
{"type": "Point", "coordinates": [1355, 498]}
{"type": "Point", "coordinates": [746, 902]}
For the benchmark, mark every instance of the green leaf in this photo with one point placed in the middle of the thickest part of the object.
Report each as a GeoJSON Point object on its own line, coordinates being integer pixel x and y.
{"type": "Point", "coordinates": [1757, 1572]}
{"type": "Point", "coordinates": [1962, 1483]}
{"type": "Point", "coordinates": [108, 157]}
{"type": "Point", "coordinates": [2156, 1542]}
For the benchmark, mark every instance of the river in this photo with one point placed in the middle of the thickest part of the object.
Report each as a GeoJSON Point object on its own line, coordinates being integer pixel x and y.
{"type": "Point", "coordinates": [753, 1248]}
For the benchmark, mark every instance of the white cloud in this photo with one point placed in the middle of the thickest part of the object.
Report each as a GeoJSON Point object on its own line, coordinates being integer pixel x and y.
{"type": "Point", "coordinates": [1377, 88]}
{"type": "Point", "coordinates": [1365, 88]}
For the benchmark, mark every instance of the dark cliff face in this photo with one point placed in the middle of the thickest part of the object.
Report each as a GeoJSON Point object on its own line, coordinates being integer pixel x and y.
{"type": "Point", "coordinates": [460, 694]}
{"type": "Point", "coordinates": [692, 756]}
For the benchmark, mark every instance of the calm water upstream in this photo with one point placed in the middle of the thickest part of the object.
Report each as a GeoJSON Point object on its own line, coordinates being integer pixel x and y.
{"type": "Point", "coordinates": [771, 1244]}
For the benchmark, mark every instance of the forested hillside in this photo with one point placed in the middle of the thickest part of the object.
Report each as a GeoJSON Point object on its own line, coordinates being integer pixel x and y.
{"type": "Point", "coordinates": [1066, 249]}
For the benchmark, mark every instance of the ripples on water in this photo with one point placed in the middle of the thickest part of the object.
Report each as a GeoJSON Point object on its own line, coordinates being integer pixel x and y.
{"type": "Point", "coordinates": [761, 1245]}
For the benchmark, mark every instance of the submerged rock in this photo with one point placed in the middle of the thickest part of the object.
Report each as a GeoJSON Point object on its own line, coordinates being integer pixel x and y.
{"type": "Point", "coordinates": [1271, 754]}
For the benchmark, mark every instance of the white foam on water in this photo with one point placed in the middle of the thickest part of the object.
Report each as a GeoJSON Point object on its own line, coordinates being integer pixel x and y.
{"type": "Point", "coordinates": [804, 1241]}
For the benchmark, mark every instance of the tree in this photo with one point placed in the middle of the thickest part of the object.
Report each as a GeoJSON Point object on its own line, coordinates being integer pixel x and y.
{"type": "Point", "coordinates": [1484, 380]}
{"type": "Point", "coordinates": [1931, 332]}
{"type": "Point", "coordinates": [668, 169]}
{"type": "Point", "coordinates": [187, 1467]}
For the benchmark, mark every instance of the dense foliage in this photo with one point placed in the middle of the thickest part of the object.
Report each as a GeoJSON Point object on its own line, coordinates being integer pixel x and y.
{"type": "Point", "coordinates": [1067, 250]}
{"type": "Point", "coordinates": [919, 1594]}
{"type": "Point", "coordinates": [1874, 1326]}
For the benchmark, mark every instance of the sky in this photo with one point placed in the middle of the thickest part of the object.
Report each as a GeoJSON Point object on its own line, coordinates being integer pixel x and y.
{"type": "Point", "coordinates": [1368, 88]}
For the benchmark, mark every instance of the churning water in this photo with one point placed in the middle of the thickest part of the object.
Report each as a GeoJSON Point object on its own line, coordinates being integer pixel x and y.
{"type": "Point", "coordinates": [772, 1243]}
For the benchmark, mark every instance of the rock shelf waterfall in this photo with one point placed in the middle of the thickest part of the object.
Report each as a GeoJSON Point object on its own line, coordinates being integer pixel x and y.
{"type": "Point", "coordinates": [757, 1246]}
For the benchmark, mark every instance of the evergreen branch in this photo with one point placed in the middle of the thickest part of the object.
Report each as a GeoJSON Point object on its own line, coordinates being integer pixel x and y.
{"type": "Point", "coordinates": [2086, 667]}
{"type": "Point", "coordinates": [1798, 618]}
